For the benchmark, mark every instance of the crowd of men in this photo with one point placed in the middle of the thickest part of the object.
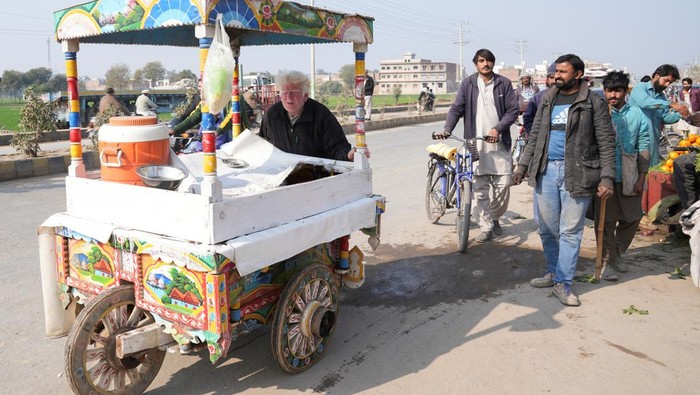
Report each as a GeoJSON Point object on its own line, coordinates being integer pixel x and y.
{"type": "Point", "coordinates": [573, 160]}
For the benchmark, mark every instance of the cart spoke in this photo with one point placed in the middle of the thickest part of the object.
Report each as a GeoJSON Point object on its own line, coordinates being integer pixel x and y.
{"type": "Point", "coordinates": [323, 293]}
{"type": "Point", "coordinates": [326, 302]}
{"type": "Point", "coordinates": [301, 305]}
{"type": "Point", "coordinates": [294, 331]}
{"type": "Point", "coordinates": [314, 289]}
{"type": "Point", "coordinates": [95, 354]}
{"type": "Point", "coordinates": [119, 383]}
{"type": "Point", "coordinates": [296, 344]}
{"type": "Point", "coordinates": [95, 337]}
{"type": "Point", "coordinates": [307, 294]}
{"type": "Point", "coordinates": [137, 314]}
{"type": "Point", "coordinates": [99, 373]}
{"type": "Point", "coordinates": [133, 375]}
{"type": "Point", "coordinates": [294, 318]}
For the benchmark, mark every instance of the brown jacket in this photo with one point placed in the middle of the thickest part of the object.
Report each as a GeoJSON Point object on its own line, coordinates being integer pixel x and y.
{"type": "Point", "coordinates": [108, 99]}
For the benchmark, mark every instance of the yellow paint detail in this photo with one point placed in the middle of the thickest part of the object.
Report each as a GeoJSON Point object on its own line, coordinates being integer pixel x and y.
{"type": "Point", "coordinates": [209, 163]}
{"type": "Point", "coordinates": [74, 106]}
{"type": "Point", "coordinates": [76, 151]}
{"type": "Point", "coordinates": [71, 68]}
{"type": "Point", "coordinates": [359, 67]}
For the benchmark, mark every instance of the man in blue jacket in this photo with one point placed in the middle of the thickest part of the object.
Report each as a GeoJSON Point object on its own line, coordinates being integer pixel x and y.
{"type": "Point", "coordinates": [488, 104]}
{"type": "Point", "coordinates": [649, 96]}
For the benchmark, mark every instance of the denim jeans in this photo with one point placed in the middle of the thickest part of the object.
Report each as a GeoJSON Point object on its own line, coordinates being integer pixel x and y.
{"type": "Point", "coordinates": [561, 220]}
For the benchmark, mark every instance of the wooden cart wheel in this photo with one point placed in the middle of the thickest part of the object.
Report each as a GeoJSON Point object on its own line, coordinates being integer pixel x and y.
{"type": "Point", "coordinates": [91, 362]}
{"type": "Point", "coordinates": [305, 318]}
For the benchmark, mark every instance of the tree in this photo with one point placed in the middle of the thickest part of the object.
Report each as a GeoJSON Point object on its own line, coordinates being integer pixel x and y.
{"type": "Point", "coordinates": [56, 83]}
{"type": "Point", "coordinates": [13, 83]}
{"type": "Point", "coordinates": [34, 118]}
{"type": "Point", "coordinates": [118, 76]}
{"type": "Point", "coordinates": [37, 76]}
{"type": "Point", "coordinates": [347, 75]}
{"type": "Point", "coordinates": [153, 71]}
{"type": "Point", "coordinates": [138, 77]}
{"type": "Point", "coordinates": [185, 74]}
{"type": "Point", "coordinates": [330, 88]}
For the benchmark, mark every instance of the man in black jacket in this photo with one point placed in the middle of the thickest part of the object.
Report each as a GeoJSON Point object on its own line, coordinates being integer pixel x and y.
{"type": "Point", "coordinates": [300, 125]}
{"type": "Point", "coordinates": [369, 91]}
{"type": "Point", "coordinates": [569, 157]}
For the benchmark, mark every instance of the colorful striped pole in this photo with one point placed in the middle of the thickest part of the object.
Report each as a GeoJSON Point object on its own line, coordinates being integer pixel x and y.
{"type": "Point", "coordinates": [361, 161]}
{"type": "Point", "coordinates": [77, 167]}
{"type": "Point", "coordinates": [236, 103]}
{"type": "Point", "coordinates": [211, 186]}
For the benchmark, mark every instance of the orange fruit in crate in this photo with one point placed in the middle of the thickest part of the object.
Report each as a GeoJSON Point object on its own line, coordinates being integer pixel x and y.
{"type": "Point", "coordinates": [673, 155]}
{"type": "Point", "coordinates": [669, 163]}
{"type": "Point", "coordinates": [684, 143]}
{"type": "Point", "coordinates": [692, 138]}
{"type": "Point", "coordinates": [680, 152]}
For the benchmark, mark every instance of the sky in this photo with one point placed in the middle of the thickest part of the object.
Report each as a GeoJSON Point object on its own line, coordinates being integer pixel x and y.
{"type": "Point", "coordinates": [637, 36]}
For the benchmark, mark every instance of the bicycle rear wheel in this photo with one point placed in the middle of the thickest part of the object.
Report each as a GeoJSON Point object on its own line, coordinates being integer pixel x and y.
{"type": "Point", "coordinates": [465, 208]}
{"type": "Point", "coordinates": [435, 201]}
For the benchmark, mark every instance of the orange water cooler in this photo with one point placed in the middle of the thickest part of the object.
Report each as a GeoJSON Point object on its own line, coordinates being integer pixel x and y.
{"type": "Point", "coordinates": [127, 143]}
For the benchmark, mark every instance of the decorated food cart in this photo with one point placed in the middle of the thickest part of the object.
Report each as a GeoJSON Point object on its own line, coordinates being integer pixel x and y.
{"type": "Point", "coordinates": [129, 270]}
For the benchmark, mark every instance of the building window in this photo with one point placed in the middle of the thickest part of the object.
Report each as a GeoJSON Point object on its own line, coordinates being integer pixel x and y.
{"type": "Point", "coordinates": [439, 85]}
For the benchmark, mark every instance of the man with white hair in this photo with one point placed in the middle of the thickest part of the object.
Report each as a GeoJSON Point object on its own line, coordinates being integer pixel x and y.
{"type": "Point", "coordinates": [144, 104]}
{"type": "Point", "coordinates": [300, 125]}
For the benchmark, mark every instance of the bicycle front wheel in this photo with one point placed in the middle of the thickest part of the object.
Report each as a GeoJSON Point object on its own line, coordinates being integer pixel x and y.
{"type": "Point", "coordinates": [465, 208]}
{"type": "Point", "coordinates": [435, 201]}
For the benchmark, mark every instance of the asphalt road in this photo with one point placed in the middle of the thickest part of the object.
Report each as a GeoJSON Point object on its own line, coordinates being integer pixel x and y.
{"type": "Point", "coordinates": [427, 320]}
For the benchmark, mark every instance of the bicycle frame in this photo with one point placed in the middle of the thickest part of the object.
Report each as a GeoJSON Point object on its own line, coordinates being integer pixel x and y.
{"type": "Point", "coordinates": [450, 176]}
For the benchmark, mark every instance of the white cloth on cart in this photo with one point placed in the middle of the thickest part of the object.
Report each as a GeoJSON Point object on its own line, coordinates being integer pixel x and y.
{"type": "Point", "coordinates": [689, 221]}
{"type": "Point", "coordinates": [267, 166]}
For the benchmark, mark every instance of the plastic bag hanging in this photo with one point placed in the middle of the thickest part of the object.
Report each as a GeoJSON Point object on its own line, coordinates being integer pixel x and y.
{"type": "Point", "coordinates": [217, 83]}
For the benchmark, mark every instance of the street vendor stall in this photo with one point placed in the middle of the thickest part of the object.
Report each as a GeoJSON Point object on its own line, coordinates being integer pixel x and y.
{"type": "Point", "coordinates": [230, 243]}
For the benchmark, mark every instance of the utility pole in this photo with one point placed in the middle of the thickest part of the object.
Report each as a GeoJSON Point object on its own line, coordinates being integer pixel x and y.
{"type": "Point", "coordinates": [461, 44]}
{"type": "Point", "coordinates": [313, 65]}
{"type": "Point", "coordinates": [521, 44]}
{"type": "Point", "coordinates": [48, 48]}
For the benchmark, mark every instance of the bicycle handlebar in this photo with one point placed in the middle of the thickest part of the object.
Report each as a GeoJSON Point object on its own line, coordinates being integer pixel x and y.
{"type": "Point", "coordinates": [461, 140]}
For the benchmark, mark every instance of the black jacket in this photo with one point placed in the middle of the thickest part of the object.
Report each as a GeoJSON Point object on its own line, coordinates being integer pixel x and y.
{"type": "Point", "coordinates": [589, 153]}
{"type": "Point", "coordinates": [369, 86]}
{"type": "Point", "coordinates": [316, 133]}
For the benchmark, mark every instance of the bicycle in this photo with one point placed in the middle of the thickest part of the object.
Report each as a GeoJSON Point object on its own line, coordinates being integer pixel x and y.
{"type": "Point", "coordinates": [450, 186]}
{"type": "Point", "coordinates": [518, 145]}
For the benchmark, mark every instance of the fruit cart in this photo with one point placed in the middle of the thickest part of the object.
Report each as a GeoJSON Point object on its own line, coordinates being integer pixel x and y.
{"type": "Point", "coordinates": [129, 270]}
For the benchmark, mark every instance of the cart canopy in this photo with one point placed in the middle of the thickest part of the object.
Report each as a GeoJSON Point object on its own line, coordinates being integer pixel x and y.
{"type": "Point", "coordinates": [173, 22]}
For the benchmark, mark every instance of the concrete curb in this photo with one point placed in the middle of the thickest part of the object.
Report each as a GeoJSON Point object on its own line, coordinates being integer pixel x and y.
{"type": "Point", "coordinates": [34, 167]}
{"type": "Point", "coordinates": [58, 135]}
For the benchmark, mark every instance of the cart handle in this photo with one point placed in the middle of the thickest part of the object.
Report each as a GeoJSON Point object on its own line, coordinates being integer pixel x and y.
{"type": "Point", "coordinates": [103, 157]}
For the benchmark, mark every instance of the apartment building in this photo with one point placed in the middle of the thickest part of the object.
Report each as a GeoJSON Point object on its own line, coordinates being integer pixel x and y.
{"type": "Point", "coordinates": [412, 75]}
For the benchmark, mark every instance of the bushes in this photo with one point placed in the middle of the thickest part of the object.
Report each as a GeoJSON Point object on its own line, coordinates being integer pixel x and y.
{"type": "Point", "coordinates": [35, 118]}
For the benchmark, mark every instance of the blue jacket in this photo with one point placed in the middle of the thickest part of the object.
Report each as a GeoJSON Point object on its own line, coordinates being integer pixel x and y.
{"type": "Point", "coordinates": [633, 129]}
{"type": "Point", "coordinates": [465, 106]}
{"type": "Point", "coordinates": [529, 115]}
{"type": "Point", "coordinates": [656, 108]}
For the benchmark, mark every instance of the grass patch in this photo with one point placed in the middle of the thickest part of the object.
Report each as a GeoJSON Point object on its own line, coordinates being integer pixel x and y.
{"type": "Point", "coordinates": [381, 100]}
{"type": "Point", "coordinates": [9, 115]}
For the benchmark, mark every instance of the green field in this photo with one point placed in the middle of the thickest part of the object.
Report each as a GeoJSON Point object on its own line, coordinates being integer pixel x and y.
{"type": "Point", "coordinates": [9, 110]}
{"type": "Point", "coordinates": [379, 101]}
{"type": "Point", "coordinates": [9, 115]}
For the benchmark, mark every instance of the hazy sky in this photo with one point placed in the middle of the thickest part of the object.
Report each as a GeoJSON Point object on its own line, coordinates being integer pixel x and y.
{"type": "Point", "coordinates": [638, 35]}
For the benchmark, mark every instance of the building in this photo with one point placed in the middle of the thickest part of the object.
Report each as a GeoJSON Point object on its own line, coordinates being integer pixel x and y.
{"type": "Point", "coordinates": [412, 75]}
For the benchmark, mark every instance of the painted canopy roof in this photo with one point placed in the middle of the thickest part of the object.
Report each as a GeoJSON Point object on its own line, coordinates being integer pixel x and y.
{"type": "Point", "coordinates": [172, 22]}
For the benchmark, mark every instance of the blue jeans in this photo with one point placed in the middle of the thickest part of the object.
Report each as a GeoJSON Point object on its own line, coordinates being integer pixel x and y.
{"type": "Point", "coordinates": [561, 220]}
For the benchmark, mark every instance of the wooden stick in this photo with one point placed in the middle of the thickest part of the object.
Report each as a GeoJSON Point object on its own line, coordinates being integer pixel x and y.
{"type": "Point", "coordinates": [599, 239]}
